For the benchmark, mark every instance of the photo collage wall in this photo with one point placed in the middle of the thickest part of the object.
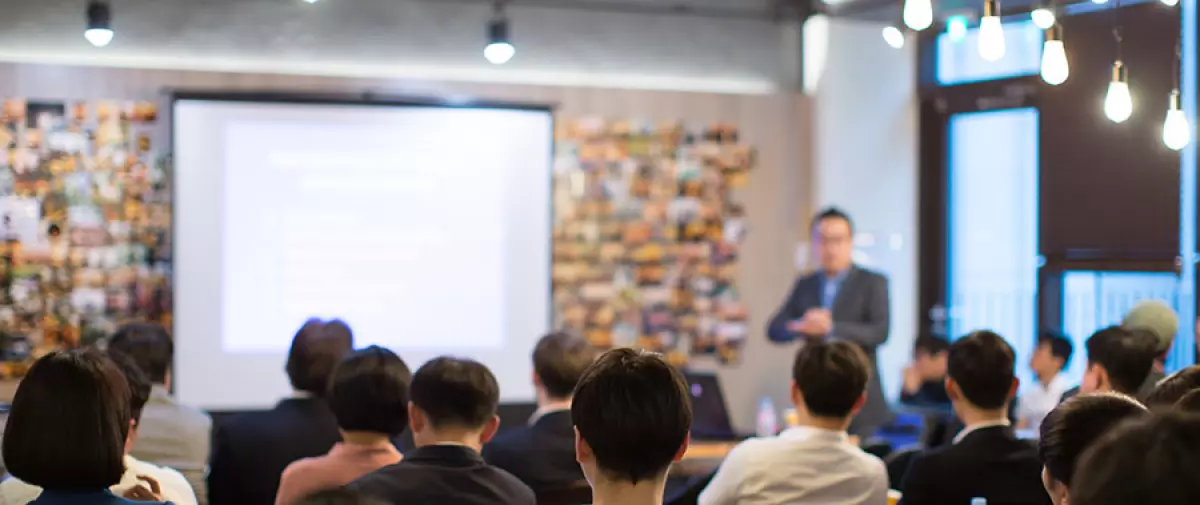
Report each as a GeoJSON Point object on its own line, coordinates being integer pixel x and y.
{"type": "Point", "coordinates": [647, 232]}
{"type": "Point", "coordinates": [85, 219]}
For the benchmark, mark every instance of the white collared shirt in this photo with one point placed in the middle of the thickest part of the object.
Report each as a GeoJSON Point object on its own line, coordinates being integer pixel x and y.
{"type": "Point", "coordinates": [1037, 401]}
{"type": "Point", "coordinates": [802, 464]}
{"type": "Point", "coordinates": [979, 426]}
{"type": "Point", "coordinates": [548, 409]}
{"type": "Point", "coordinates": [174, 487]}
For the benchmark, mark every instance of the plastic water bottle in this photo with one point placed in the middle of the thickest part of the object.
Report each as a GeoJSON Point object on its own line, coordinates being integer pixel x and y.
{"type": "Point", "coordinates": [768, 420]}
{"type": "Point", "coordinates": [978, 501]}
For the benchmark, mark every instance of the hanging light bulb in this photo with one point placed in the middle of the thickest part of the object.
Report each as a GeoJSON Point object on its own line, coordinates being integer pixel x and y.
{"type": "Point", "coordinates": [991, 32]}
{"type": "Point", "coordinates": [918, 14]}
{"type": "Point", "coordinates": [499, 49]}
{"type": "Point", "coordinates": [893, 36]}
{"type": "Point", "coordinates": [1176, 131]}
{"type": "Point", "coordinates": [1043, 17]}
{"type": "Point", "coordinates": [956, 28]}
{"type": "Point", "coordinates": [1054, 57]}
{"type": "Point", "coordinates": [1118, 104]}
{"type": "Point", "coordinates": [99, 24]}
{"type": "Point", "coordinates": [1170, 3]}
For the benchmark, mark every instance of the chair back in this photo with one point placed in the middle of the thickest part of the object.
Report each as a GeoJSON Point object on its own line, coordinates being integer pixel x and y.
{"type": "Point", "coordinates": [578, 493]}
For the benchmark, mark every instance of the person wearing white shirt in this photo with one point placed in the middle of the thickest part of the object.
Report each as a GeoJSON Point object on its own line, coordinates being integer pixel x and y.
{"type": "Point", "coordinates": [1051, 357]}
{"type": "Point", "coordinates": [173, 486]}
{"type": "Point", "coordinates": [813, 462]}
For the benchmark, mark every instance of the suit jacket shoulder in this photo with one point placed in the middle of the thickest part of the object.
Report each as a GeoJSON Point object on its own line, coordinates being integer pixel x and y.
{"type": "Point", "coordinates": [991, 463]}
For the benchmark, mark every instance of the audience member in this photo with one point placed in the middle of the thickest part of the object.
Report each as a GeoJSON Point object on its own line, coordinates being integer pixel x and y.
{"type": "Point", "coordinates": [1190, 402]}
{"type": "Point", "coordinates": [632, 416]}
{"type": "Point", "coordinates": [1149, 462]}
{"type": "Point", "coordinates": [1160, 320]}
{"type": "Point", "coordinates": [542, 453]}
{"type": "Point", "coordinates": [368, 393]}
{"type": "Point", "coordinates": [68, 430]}
{"type": "Point", "coordinates": [1170, 390]}
{"type": "Point", "coordinates": [169, 434]}
{"type": "Point", "coordinates": [452, 413]}
{"type": "Point", "coordinates": [925, 378]}
{"type": "Point", "coordinates": [252, 450]}
{"type": "Point", "coordinates": [986, 459]}
{"type": "Point", "coordinates": [140, 478]}
{"type": "Point", "coordinates": [1118, 360]}
{"type": "Point", "coordinates": [338, 496]}
{"type": "Point", "coordinates": [813, 462]}
{"type": "Point", "coordinates": [1071, 428]}
{"type": "Point", "coordinates": [1051, 357]}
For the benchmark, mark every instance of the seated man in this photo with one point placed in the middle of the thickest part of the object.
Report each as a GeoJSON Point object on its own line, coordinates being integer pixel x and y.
{"type": "Point", "coordinates": [140, 478]}
{"type": "Point", "coordinates": [632, 416]}
{"type": "Point", "coordinates": [1149, 462]}
{"type": "Point", "coordinates": [251, 450]}
{"type": "Point", "coordinates": [1170, 390]}
{"type": "Point", "coordinates": [1119, 360]}
{"type": "Point", "coordinates": [986, 459]}
{"type": "Point", "coordinates": [1160, 320]}
{"type": "Point", "coordinates": [1051, 357]}
{"type": "Point", "coordinates": [452, 413]}
{"type": "Point", "coordinates": [170, 434]}
{"type": "Point", "coordinates": [1071, 428]}
{"type": "Point", "coordinates": [542, 453]}
{"type": "Point", "coordinates": [813, 462]}
{"type": "Point", "coordinates": [925, 378]}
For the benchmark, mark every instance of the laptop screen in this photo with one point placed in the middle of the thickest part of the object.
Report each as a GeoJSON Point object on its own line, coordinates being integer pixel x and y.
{"type": "Point", "coordinates": [710, 415]}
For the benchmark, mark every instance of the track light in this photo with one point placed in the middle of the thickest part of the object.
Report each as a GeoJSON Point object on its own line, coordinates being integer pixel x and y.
{"type": "Point", "coordinates": [1054, 57]}
{"type": "Point", "coordinates": [1043, 17]}
{"type": "Point", "coordinates": [1177, 134]}
{"type": "Point", "coordinates": [991, 32]}
{"type": "Point", "coordinates": [918, 14]}
{"type": "Point", "coordinates": [1118, 104]}
{"type": "Point", "coordinates": [499, 49]}
{"type": "Point", "coordinates": [99, 24]}
{"type": "Point", "coordinates": [893, 36]}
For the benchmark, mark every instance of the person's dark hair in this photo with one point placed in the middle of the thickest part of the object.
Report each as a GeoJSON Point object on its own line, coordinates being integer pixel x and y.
{"type": "Point", "coordinates": [139, 385]}
{"type": "Point", "coordinates": [633, 410]}
{"type": "Point", "coordinates": [559, 360]}
{"type": "Point", "coordinates": [149, 345]}
{"type": "Point", "coordinates": [1152, 460]}
{"type": "Point", "coordinates": [931, 345]}
{"type": "Point", "coordinates": [339, 496]}
{"type": "Point", "coordinates": [1170, 390]}
{"type": "Point", "coordinates": [832, 213]}
{"type": "Point", "coordinates": [1060, 346]}
{"type": "Point", "coordinates": [316, 349]}
{"type": "Point", "coordinates": [831, 376]}
{"type": "Point", "coordinates": [981, 363]}
{"type": "Point", "coordinates": [1190, 402]}
{"type": "Point", "coordinates": [1127, 356]}
{"type": "Point", "coordinates": [69, 420]}
{"type": "Point", "coordinates": [455, 392]}
{"type": "Point", "coordinates": [368, 391]}
{"type": "Point", "coordinates": [1072, 426]}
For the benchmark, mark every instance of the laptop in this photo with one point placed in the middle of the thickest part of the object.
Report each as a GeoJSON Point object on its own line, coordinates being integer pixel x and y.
{"type": "Point", "coordinates": [710, 414]}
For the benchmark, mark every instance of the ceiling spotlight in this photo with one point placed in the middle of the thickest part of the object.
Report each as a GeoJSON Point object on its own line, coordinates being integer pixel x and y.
{"type": "Point", "coordinates": [499, 49]}
{"type": "Point", "coordinates": [311, 1]}
{"type": "Point", "coordinates": [99, 24]}
{"type": "Point", "coordinates": [893, 36]}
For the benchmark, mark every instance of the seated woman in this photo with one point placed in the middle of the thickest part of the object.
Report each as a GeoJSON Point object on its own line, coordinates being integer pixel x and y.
{"type": "Point", "coordinates": [368, 394]}
{"type": "Point", "coordinates": [67, 428]}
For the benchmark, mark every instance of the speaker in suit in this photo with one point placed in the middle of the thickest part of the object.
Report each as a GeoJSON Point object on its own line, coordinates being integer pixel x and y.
{"type": "Point", "coordinates": [857, 300]}
{"type": "Point", "coordinates": [251, 450]}
{"type": "Point", "coordinates": [541, 454]}
{"type": "Point", "coordinates": [986, 461]}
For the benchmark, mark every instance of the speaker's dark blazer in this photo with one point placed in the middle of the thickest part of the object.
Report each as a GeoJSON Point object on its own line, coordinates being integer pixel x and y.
{"type": "Point", "coordinates": [542, 454]}
{"type": "Point", "coordinates": [251, 450]}
{"type": "Point", "coordinates": [987, 463]}
{"type": "Point", "coordinates": [860, 315]}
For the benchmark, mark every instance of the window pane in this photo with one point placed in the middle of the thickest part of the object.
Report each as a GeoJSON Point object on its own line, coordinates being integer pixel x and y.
{"type": "Point", "coordinates": [993, 226]}
{"type": "Point", "coordinates": [1094, 300]}
{"type": "Point", "coordinates": [959, 62]}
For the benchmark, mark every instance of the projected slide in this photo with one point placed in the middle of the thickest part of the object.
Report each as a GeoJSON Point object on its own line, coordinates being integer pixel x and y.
{"type": "Point", "coordinates": [426, 229]}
